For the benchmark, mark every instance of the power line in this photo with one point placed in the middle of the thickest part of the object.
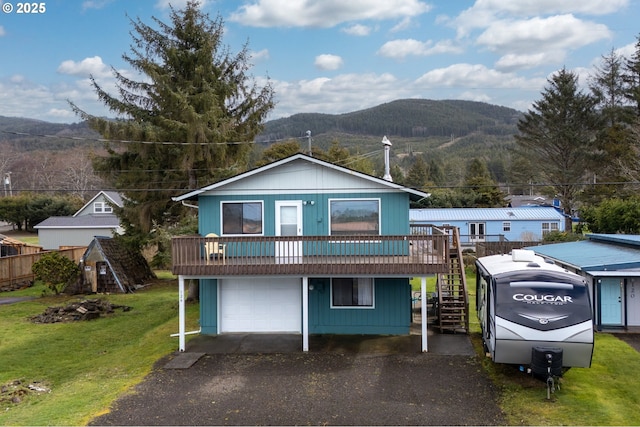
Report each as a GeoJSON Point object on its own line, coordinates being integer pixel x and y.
{"type": "Point", "coordinates": [126, 141]}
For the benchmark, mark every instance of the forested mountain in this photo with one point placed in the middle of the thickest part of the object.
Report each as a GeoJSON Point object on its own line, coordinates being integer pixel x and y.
{"type": "Point", "coordinates": [448, 134]}
{"type": "Point", "coordinates": [28, 134]}
{"type": "Point", "coordinates": [407, 118]}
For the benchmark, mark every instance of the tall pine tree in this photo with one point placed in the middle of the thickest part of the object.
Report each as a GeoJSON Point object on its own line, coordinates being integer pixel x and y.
{"type": "Point", "coordinates": [558, 137]}
{"type": "Point", "coordinates": [193, 93]}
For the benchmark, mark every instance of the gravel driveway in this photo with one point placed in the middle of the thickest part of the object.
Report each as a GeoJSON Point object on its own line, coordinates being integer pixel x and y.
{"type": "Point", "coordinates": [313, 388]}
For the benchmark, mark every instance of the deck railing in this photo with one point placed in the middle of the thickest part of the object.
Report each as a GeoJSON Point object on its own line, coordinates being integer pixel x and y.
{"type": "Point", "coordinates": [310, 255]}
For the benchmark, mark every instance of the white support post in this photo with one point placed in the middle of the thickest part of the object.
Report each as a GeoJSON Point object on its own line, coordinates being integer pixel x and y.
{"type": "Point", "coordinates": [423, 312]}
{"type": "Point", "coordinates": [305, 313]}
{"type": "Point", "coordinates": [181, 314]}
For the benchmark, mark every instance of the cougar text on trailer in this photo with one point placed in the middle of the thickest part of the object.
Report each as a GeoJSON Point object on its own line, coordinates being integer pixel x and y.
{"type": "Point", "coordinates": [532, 310]}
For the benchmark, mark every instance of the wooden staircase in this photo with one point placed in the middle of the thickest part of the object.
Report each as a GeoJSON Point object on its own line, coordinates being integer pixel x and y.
{"type": "Point", "coordinates": [453, 301]}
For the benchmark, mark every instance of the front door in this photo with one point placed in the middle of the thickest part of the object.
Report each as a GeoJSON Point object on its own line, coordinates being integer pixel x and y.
{"type": "Point", "coordinates": [611, 301]}
{"type": "Point", "coordinates": [476, 231]}
{"type": "Point", "coordinates": [289, 223]}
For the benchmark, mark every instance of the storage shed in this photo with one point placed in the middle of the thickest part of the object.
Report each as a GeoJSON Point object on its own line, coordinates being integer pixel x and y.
{"type": "Point", "coordinates": [108, 266]}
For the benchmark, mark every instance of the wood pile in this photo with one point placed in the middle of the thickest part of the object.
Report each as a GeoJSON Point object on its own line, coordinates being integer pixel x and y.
{"type": "Point", "coordinates": [87, 309]}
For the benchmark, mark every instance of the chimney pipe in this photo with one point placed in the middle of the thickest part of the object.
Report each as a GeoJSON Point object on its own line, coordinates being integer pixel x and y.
{"type": "Point", "coordinates": [387, 147]}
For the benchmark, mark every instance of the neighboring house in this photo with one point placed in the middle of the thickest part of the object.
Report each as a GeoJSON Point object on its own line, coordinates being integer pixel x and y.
{"type": "Point", "coordinates": [304, 246]}
{"type": "Point", "coordinates": [611, 264]}
{"type": "Point", "coordinates": [528, 224]}
{"type": "Point", "coordinates": [108, 266]}
{"type": "Point", "coordinates": [96, 218]}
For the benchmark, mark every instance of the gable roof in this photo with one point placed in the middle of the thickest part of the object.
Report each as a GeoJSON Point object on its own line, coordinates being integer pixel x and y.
{"type": "Point", "coordinates": [539, 213]}
{"type": "Point", "coordinates": [111, 196]}
{"type": "Point", "coordinates": [129, 268]}
{"type": "Point", "coordinates": [601, 252]}
{"type": "Point", "coordinates": [109, 221]}
{"type": "Point", "coordinates": [303, 160]}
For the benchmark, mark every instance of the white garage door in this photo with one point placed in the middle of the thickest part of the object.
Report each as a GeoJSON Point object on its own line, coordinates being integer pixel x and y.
{"type": "Point", "coordinates": [261, 305]}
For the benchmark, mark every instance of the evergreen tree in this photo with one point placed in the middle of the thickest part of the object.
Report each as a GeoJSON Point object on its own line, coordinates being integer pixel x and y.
{"type": "Point", "coordinates": [195, 95]}
{"type": "Point", "coordinates": [479, 183]}
{"type": "Point", "coordinates": [632, 77]}
{"type": "Point", "coordinates": [558, 137]}
{"type": "Point", "coordinates": [613, 143]}
{"type": "Point", "coordinates": [418, 173]}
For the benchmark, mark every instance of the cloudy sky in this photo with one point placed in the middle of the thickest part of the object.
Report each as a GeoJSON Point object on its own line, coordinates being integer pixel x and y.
{"type": "Point", "coordinates": [325, 56]}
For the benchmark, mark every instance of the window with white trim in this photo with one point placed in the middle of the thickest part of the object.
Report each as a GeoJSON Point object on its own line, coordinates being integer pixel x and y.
{"type": "Point", "coordinates": [242, 217]}
{"type": "Point", "coordinates": [354, 292]}
{"type": "Point", "coordinates": [506, 226]}
{"type": "Point", "coordinates": [548, 227]}
{"type": "Point", "coordinates": [102, 207]}
{"type": "Point", "coordinates": [354, 217]}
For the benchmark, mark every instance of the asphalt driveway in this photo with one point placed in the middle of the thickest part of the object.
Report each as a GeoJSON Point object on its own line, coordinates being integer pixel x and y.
{"type": "Point", "coordinates": [351, 384]}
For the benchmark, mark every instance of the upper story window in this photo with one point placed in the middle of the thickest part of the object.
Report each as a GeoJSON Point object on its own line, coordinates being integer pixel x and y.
{"type": "Point", "coordinates": [548, 227]}
{"type": "Point", "coordinates": [354, 216]}
{"type": "Point", "coordinates": [506, 226]}
{"type": "Point", "coordinates": [242, 218]}
{"type": "Point", "coordinates": [102, 207]}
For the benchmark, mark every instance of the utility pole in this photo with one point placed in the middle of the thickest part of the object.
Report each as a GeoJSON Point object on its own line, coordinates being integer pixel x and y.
{"type": "Point", "coordinates": [309, 142]}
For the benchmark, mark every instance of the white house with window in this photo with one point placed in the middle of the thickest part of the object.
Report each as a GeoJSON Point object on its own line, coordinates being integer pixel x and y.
{"type": "Point", "coordinates": [526, 224]}
{"type": "Point", "coordinates": [95, 218]}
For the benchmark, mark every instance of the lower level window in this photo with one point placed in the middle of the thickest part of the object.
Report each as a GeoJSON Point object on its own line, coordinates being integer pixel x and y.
{"type": "Point", "coordinates": [352, 292]}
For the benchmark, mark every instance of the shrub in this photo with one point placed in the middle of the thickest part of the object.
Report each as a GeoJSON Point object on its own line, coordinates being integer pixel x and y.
{"type": "Point", "coordinates": [55, 271]}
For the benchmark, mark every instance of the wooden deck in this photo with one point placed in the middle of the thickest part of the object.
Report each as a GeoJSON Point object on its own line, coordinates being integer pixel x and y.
{"type": "Point", "coordinates": [399, 256]}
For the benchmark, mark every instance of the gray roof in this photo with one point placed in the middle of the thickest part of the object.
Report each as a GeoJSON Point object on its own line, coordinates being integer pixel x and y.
{"type": "Point", "coordinates": [485, 214]}
{"type": "Point", "coordinates": [83, 221]}
{"type": "Point", "coordinates": [601, 252]}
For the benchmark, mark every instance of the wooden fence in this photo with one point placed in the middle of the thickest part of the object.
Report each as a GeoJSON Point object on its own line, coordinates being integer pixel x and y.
{"type": "Point", "coordinates": [15, 270]}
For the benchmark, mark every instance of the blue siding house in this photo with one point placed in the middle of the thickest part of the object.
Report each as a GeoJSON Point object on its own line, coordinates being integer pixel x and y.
{"type": "Point", "coordinates": [611, 265]}
{"type": "Point", "coordinates": [528, 224]}
{"type": "Point", "coordinates": [303, 246]}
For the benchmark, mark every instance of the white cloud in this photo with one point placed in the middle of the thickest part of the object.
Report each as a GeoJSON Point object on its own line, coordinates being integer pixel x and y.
{"type": "Point", "coordinates": [358, 30]}
{"type": "Point", "coordinates": [2, 31]}
{"type": "Point", "coordinates": [323, 13]}
{"type": "Point", "coordinates": [475, 76]}
{"type": "Point", "coordinates": [540, 34]}
{"type": "Point", "coordinates": [539, 41]}
{"type": "Point", "coordinates": [410, 47]}
{"type": "Point", "coordinates": [328, 62]}
{"type": "Point", "coordinates": [341, 94]}
{"type": "Point", "coordinates": [88, 66]}
{"type": "Point", "coordinates": [260, 55]}
{"type": "Point", "coordinates": [485, 12]}
{"type": "Point", "coordinates": [95, 4]}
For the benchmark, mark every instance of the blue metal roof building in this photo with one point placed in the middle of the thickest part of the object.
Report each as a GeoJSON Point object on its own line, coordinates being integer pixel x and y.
{"type": "Point", "coordinates": [611, 264]}
{"type": "Point", "coordinates": [493, 224]}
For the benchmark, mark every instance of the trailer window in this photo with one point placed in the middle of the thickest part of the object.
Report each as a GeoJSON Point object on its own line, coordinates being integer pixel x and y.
{"type": "Point", "coordinates": [543, 305]}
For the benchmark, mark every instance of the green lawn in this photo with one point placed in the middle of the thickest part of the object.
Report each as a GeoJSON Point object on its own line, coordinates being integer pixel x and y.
{"type": "Point", "coordinates": [87, 365]}
{"type": "Point", "coordinates": [608, 393]}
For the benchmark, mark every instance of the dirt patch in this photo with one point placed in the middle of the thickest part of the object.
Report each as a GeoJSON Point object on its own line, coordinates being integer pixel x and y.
{"type": "Point", "coordinates": [87, 309]}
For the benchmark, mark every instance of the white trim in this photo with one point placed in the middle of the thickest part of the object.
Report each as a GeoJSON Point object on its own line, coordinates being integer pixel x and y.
{"type": "Point", "coordinates": [181, 314]}
{"type": "Point", "coordinates": [222, 202]}
{"type": "Point", "coordinates": [305, 313]}
{"type": "Point", "coordinates": [355, 199]}
{"type": "Point", "coordinates": [352, 307]}
{"type": "Point", "coordinates": [309, 159]}
{"type": "Point", "coordinates": [423, 311]}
